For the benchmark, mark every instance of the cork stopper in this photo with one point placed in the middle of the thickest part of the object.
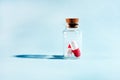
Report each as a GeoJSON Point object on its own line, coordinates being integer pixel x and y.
{"type": "Point", "coordinates": [72, 22]}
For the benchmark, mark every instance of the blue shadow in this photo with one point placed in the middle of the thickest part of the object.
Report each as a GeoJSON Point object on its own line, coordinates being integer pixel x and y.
{"type": "Point", "coordinates": [30, 56]}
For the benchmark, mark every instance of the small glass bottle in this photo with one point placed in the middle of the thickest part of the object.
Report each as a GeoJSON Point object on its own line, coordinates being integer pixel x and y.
{"type": "Point", "coordinates": [72, 39]}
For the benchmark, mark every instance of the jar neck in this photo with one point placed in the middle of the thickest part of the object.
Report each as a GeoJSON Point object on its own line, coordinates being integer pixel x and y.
{"type": "Point", "coordinates": [71, 29]}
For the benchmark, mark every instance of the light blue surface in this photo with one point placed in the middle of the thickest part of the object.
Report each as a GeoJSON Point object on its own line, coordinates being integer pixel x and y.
{"type": "Point", "coordinates": [35, 27]}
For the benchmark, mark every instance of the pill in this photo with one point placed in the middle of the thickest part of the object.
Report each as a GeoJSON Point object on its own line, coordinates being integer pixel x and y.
{"type": "Point", "coordinates": [76, 52]}
{"type": "Point", "coordinates": [69, 51]}
{"type": "Point", "coordinates": [75, 48]}
{"type": "Point", "coordinates": [69, 46]}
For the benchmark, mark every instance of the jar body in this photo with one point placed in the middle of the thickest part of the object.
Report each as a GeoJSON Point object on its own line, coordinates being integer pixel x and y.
{"type": "Point", "coordinates": [72, 43]}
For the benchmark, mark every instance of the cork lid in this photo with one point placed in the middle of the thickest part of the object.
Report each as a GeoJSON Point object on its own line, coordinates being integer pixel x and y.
{"type": "Point", "coordinates": [72, 22]}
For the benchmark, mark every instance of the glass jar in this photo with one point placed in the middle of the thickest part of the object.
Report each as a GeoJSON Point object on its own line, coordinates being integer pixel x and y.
{"type": "Point", "coordinates": [72, 39]}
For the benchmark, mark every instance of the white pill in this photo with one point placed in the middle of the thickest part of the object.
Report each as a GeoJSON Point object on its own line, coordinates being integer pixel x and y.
{"type": "Point", "coordinates": [69, 52]}
{"type": "Point", "coordinates": [74, 45]}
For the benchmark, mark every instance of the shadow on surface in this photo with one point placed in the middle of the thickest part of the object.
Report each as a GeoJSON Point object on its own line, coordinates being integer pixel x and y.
{"type": "Point", "coordinates": [30, 56]}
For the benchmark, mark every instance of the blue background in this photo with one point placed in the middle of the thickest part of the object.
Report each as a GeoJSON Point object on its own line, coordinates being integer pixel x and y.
{"type": "Point", "coordinates": [35, 27]}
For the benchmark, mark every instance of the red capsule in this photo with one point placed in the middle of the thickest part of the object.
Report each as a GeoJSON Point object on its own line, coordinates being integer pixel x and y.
{"type": "Point", "coordinates": [69, 46]}
{"type": "Point", "coordinates": [76, 52]}
{"type": "Point", "coordinates": [75, 49]}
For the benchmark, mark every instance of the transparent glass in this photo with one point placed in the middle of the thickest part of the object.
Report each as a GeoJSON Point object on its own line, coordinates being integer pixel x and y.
{"type": "Point", "coordinates": [72, 36]}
